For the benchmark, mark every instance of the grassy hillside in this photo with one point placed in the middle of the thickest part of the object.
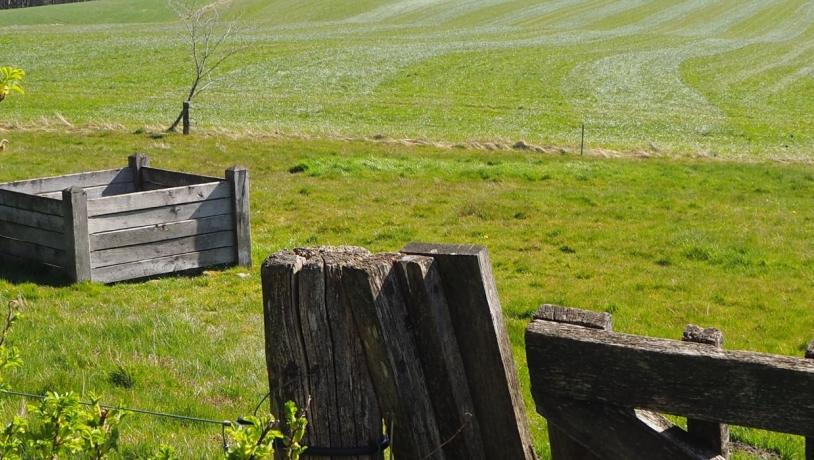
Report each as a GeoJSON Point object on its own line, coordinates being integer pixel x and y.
{"type": "Point", "coordinates": [724, 78]}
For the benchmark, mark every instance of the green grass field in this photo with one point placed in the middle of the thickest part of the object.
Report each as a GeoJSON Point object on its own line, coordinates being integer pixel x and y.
{"type": "Point", "coordinates": [729, 78]}
{"type": "Point", "coordinates": [659, 242]}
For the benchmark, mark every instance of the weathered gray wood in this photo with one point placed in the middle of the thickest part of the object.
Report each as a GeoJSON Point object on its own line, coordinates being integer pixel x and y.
{"type": "Point", "coordinates": [371, 290]}
{"type": "Point", "coordinates": [30, 202]}
{"type": "Point", "coordinates": [164, 248]}
{"type": "Point", "coordinates": [238, 177]}
{"type": "Point", "coordinates": [563, 446]}
{"type": "Point", "coordinates": [577, 317]}
{"type": "Point", "coordinates": [611, 432]}
{"type": "Point", "coordinates": [99, 191]}
{"type": "Point", "coordinates": [164, 215]}
{"type": "Point", "coordinates": [135, 162]}
{"type": "Point", "coordinates": [313, 348]}
{"type": "Point", "coordinates": [160, 232]}
{"type": "Point", "coordinates": [713, 435]}
{"type": "Point", "coordinates": [440, 358]}
{"type": "Point", "coordinates": [77, 244]}
{"type": "Point", "coordinates": [158, 198]}
{"type": "Point", "coordinates": [163, 265]}
{"type": "Point", "coordinates": [689, 379]}
{"type": "Point", "coordinates": [37, 236]}
{"type": "Point", "coordinates": [477, 317]}
{"type": "Point", "coordinates": [162, 178]}
{"type": "Point", "coordinates": [810, 439]}
{"type": "Point", "coordinates": [58, 183]}
{"type": "Point", "coordinates": [32, 252]}
{"type": "Point", "coordinates": [34, 219]}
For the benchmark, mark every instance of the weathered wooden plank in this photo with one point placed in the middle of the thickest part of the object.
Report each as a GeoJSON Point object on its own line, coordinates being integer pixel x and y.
{"type": "Point", "coordinates": [238, 178]}
{"type": "Point", "coordinates": [712, 434]}
{"type": "Point", "coordinates": [135, 162]}
{"type": "Point", "coordinates": [54, 240]}
{"type": "Point", "coordinates": [99, 191]}
{"type": "Point", "coordinates": [440, 358]}
{"type": "Point", "coordinates": [153, 216]}
{"type": "Point", "coordinates": [164, 248]}
{"type": "Point", "coordinates": [689, 379]}
{"type": "Point", "coordinates": [34, 219]}
{"type": "Point", "coordinates": [32, 252]}
{"type": "Point", "coordinates": [371, 290]}
{"type": "Point", "coordinates": [160, 232]}
{"type": "Point", "coordinates": [166, 178]}
{"type": "Point", "coordinates": [612, 432]}
{"type": "Point", "coordinates": [164, 265]}
{"type": "Point", "coordinates": [477, 317]}
{"type": "Point", "coordinates": [77, 244]}
{"type": "Point", "coordinates": [313, 349]}
{"type": "Point", "coordinates": [563, 446]}
{"type": "Point", "coordinates": [30, 202]}
{"type": "Point", "coordinates": [58, 183]}
{"type": "Point", "coordinates": [158, 198]}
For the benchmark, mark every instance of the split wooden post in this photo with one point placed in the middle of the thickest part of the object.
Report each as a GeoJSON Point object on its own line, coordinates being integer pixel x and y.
{"type": "Point", "coordinates": [714, 435]}
{"type": "Point", "coordinates": [313, 350]}
{"type": "Point", "coordinates": [477, 318]}
{"type": "Point", "coordinates": [136, 162]}
{"type": "Point", "coordinates": [77, 243]}
{"type": "Point", "coordinates": [810, 440]}
{"type": "Point", "coordinates": [238, 176]}
{"type": "Point", "coordinates": [564, 447]}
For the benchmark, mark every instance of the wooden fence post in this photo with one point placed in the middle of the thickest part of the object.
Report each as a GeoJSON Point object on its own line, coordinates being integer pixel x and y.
{"type": "Point", "coordinates": [714, 435]}
{"type": "Point", "coordinates": [238, 176]}
{"type": "Point", "coordinates": [810, 441]}
{"type": "Point", "coordinates": [313, 350]}
{"type": "Point", "coordinates": [562, 446]}
{"type": "Point", "coordinates": [136, 162]}
{"type": "Point", "coordinates": [477, 317]}
{"type": "Point", "coordinates": [77, 243]}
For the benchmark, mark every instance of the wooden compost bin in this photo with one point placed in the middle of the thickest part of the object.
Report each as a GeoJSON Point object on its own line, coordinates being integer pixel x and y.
{"type": "Point", "coordinates": [127, 223]}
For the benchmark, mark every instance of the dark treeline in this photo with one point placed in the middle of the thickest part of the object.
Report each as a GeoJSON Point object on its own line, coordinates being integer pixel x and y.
{"type": "Point", "coordinates": [7, 4]}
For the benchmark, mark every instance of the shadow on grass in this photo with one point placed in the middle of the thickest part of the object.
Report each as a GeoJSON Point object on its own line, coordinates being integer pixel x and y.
{"type": "Point", "coordinates": [20, 272]}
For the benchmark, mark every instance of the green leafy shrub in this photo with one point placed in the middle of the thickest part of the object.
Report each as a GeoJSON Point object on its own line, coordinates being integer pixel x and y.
{"type": "Point", "coordinates": [10, 78]}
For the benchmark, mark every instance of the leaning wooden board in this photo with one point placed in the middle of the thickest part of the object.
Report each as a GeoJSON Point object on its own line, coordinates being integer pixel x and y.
{"type": "Point", "coordinates": [127, 223]}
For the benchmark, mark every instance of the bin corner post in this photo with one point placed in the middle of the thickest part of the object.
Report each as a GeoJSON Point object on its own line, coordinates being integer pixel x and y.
{"type": "Point", "coordinates": [238, 176]}
{"type": "Point", "coordinates": [77, 243]}
{"type": "Point", "coordinates": [137, 161]}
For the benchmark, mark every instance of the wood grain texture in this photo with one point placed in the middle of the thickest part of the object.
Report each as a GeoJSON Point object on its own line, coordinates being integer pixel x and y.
{"type": "Point", "coordinates": [34, 219]}
{"type": "Point", "coordinates": [466, 274]}
{"type": "Point", "coordinates": [164, 265]}
{"type": "Point", "coordinates": [153, 178]}
{"type": "Point", "coordinates": [30, 202]}
{"type": "Point", "coordinates": [160, 232]}
{"type": "Point", "coordinates": [688, 379]}
{"type": "Point", "coordinates": [313, 348]}
{"type": "Point", "coordinates": [238, 178]}
{"type": "Point", "coordinates": [58, 183]}
{"type": "Point", "coordinates": [54, 240]}
{"type": "Point", "coordinates": [158, 198]}
{"type": "Point", "coordinates": [32, 252]}
{"type": "Point", "coordinates": [810, 439]}
{"type": "Point", "coordinates": [135, 162]}
{"type": "Point", "coordinates": [99, 191]}
{"type": "Point", "coordinates": [711, 434]}
{"type": "Point", "coordinates": [612, 432]}
{"type": "Point", "coordinates": [164, 215]}
{"type": "Point", "coordinates": [77, 243]}
{"type": "Point", "coordinates": [197, 243]}
{"type": "Point", "coordinates": [563, 445]}
{"type": "Point", "coordinates": [371, 288]}
{"type": "Point", "coordinates": [431, 325]}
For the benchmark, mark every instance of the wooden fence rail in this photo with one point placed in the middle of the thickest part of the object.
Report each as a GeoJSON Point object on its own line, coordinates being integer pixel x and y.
{"type": "Point", "coordinates": [596, 388]}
